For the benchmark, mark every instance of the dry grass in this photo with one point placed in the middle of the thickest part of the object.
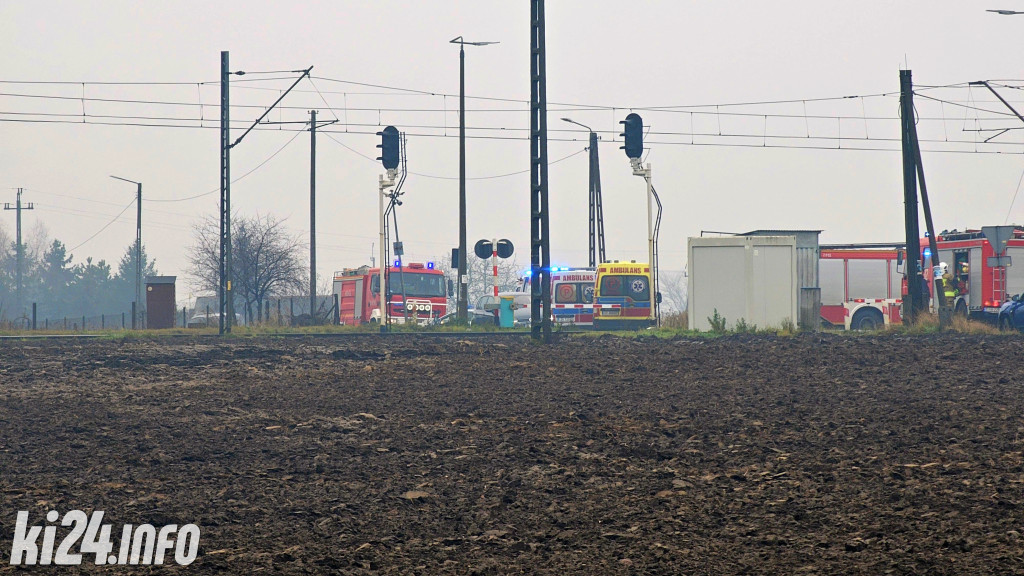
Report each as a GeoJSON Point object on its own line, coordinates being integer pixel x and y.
{"type": "Point", "coordinates": [676, 321]}
{"type": "Point", "coordinates": [966, 326]}
{"type": "Point", "coordinates": [928, 323]}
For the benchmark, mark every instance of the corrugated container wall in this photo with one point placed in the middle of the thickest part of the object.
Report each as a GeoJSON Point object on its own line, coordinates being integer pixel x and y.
{"type": "Point", "coordinates": [807, 271]}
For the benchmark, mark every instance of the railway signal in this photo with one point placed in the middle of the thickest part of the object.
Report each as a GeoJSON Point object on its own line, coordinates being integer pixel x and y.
{"type": "Point", "coordinates": [633, 134]}
{"type": "Point", "coordinates": [388, 147]}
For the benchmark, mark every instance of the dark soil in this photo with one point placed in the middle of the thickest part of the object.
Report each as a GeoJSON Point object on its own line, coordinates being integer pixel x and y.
{"type": "Point", "coordinates": [741, 455]}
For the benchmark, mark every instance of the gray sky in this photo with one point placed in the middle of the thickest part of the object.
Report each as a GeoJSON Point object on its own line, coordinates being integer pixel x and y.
{"type": "Point", "coordinates": [604, 58]}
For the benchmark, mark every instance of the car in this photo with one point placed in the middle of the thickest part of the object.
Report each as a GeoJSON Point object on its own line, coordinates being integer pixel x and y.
{"type": "Point", "coordinates": [1011, 314]}
{"type": "Point", "coordinates": [485, 312]}
{"type": "Point", "coordinates": [201, 320]}
{"type": "Point", "coordinates": [476, 316]}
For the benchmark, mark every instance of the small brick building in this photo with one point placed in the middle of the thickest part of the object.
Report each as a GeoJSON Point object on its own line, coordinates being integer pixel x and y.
{"type": "Point", "coordinates": [160, 302]}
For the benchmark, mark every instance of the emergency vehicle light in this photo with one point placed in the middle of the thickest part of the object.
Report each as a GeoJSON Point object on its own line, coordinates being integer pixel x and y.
{"type": "Point", "coordinates": [430, 265]}
{"type": "Point", "coordinates": [397, 263]}
{"type": "Point", "coordinates": [927, 253]}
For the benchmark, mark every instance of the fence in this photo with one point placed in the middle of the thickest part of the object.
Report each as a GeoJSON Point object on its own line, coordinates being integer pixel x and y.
{"type": "Point", "coordinates": [284, 311]}
{"type": "Point", "coordinates": [33, 319]}
{"type": "Point", "coordinates": [293, 311]}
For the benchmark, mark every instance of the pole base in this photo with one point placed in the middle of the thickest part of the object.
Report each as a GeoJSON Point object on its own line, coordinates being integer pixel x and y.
{"type": "Point", "coordinates": [945, 317]}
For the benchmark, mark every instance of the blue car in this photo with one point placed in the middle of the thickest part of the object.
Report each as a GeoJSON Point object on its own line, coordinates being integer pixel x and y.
{"type": "Point", "coordinates": [1011, 314]}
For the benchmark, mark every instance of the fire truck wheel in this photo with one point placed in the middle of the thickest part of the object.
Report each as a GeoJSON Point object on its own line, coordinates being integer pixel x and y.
{"type": "Point", "coordinates": [867, 319]}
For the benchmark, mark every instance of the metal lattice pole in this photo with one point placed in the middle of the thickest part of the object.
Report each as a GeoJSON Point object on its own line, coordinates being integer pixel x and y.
{"type": "Point", "coordinates": [312, 213]}
{"type": "Point", "coordinates": [540, 249]}
{"type": "Point", "coordinates": [224, 288]}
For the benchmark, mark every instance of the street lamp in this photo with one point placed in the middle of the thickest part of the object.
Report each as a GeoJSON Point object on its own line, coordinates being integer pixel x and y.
{"type": "Point", "coordinates": [138, 245]}
{"type": "Point", "coordinates": [462, 304]}
{"type": "Point", "coordinates": [596, 246]}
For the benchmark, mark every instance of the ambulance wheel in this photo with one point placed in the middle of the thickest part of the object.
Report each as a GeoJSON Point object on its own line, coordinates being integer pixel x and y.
{"type": "Point", "coordinates": [867, 319]}
{"type": "Point", "coordinates": [961, 309]}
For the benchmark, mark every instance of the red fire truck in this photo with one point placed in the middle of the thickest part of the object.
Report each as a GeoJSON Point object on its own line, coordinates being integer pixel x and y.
{"type": "Point", "coordinates": [983, 281]}
{"type": "Point", "coordinates": [861, 285]}
{"type": "Point", "coordinates": [416, 290]}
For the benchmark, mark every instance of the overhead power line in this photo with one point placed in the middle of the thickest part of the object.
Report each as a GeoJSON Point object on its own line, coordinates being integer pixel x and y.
{"type": "Point", "coordinates": [397, 90]}
{"type": "Point", "coordinates": [105, 226]}
{"type": "Point", "coordinates": [215, 190]}
{"type": "Point", "coordinates": [690, 138]}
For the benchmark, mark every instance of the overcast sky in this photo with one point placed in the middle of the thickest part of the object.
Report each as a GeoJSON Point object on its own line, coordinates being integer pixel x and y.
{"type": "Point", "coordinates": [804, 159]}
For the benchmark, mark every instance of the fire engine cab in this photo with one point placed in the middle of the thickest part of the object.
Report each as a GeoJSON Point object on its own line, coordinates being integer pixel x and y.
{"type": "Point", "coordinates": [416, 291]}
{"type": "Point", "coordinates": [983, 281]}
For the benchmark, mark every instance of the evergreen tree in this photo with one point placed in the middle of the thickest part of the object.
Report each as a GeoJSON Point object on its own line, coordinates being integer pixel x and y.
{"type": "Point", "coordinates": [8, 256]}
{"type": "Point", "coordinates": [123, 286]}
{"type": "Point", "coordinates": [90, 291]}
{"type": "Point", "coordinates": [55, 278]}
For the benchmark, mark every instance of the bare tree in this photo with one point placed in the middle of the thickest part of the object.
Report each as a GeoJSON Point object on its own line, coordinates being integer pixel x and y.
{"type": "Point", "coordinates": [7, 272]}
{"type": "Point", "coordinates": [266, 260]}
{"type": "Point", "coordinates": [481, 276]}
{"type": "Point", "coordinates": [672, 285]}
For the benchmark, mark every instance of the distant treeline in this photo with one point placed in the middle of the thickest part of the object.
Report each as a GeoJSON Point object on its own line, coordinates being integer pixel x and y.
{"type": "Point", "coordinates": [60, 287]}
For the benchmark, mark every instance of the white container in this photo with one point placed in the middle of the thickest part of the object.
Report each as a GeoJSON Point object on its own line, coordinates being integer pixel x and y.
{"type": "Point", "coordinates": [750, 278]}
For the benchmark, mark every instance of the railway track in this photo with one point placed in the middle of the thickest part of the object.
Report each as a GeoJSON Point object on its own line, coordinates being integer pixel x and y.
{"type": "Point", "coordinates": [324, 335]}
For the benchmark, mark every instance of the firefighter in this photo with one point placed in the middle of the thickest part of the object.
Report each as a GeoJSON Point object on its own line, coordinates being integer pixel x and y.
{"type": "Point", "coordinates": [964, 276]}
{"type": "Point", "coordinates": [949, 288]}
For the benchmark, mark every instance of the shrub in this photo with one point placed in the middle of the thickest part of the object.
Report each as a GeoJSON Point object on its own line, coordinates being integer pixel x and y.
{"type": "Point", "coordinates": [787, 328]}
{"type": "Point", "coordinates": [717, 322]}
{"type": "Point", "coordinates": [743, 328]}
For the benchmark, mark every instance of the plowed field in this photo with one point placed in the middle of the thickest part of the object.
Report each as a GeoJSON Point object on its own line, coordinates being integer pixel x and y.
{"type": "Point", "coordinates": [818, 454]}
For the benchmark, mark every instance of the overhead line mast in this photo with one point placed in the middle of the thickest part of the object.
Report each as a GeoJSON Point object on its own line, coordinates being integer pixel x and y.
{"type": "Point", "coordinates": [227, 305]}
{"type": "Point", "coordinates": [540, 247]}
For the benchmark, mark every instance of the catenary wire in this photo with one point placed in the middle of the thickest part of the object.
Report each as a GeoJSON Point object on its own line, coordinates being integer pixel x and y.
{"type": "Point", "coordinates": [105, 226]}
{"type": "Point", "coordinates": [1010, 210]}
{"type": "Point", "coordinates": [524, 138]}
{"type": "Point", "coordinates": [215, 190]}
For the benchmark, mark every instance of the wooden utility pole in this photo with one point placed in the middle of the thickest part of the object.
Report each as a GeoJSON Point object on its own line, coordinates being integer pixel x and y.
{"type": "Point", "coordinates": [914, 302]}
